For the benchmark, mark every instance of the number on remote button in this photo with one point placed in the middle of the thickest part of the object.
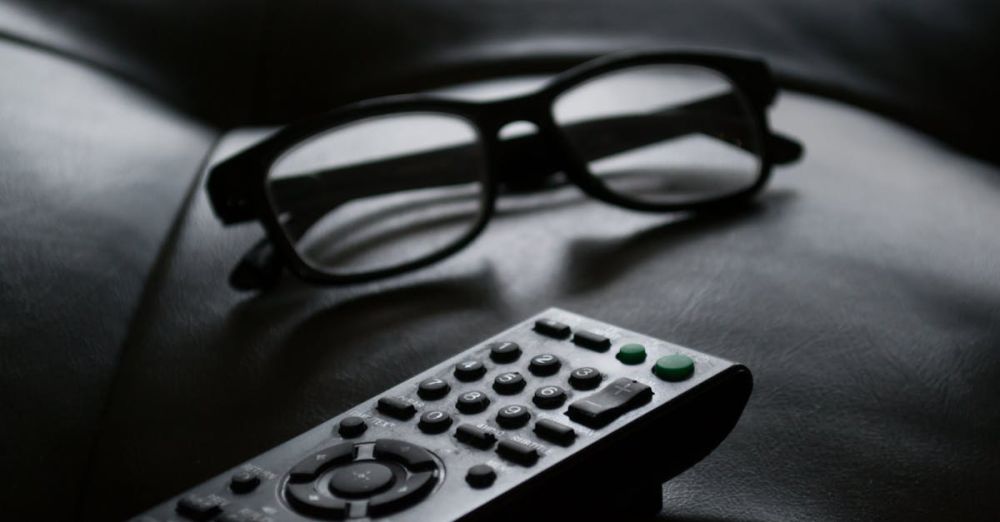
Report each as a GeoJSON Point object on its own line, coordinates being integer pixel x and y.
{"type": "Point", "coordinates": [544, 364]}
{"type": "Point", "coordinates": [472, 402]}
{"type": "Point", "coordinates": [508, 383]}
{"type": "Point", "coordinates": [549, 397]}
{"type": "Point", "coordinates": [434, 421]}
{"type": "Point", "coordinates": [585, 378]}
{"type": "Point", "coordinates": [470, 370]}
{"type": "Point", "coordinates": [433, 388]}
{"type": "Point", "coordinates": [513, 416]}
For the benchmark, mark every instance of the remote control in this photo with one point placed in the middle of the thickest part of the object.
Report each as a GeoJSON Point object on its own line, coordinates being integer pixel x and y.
{"type": "Point", "coordinates": [560, 416]}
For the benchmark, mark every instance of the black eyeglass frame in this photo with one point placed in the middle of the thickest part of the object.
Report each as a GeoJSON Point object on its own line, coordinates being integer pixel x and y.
{"type": "Point", "coordinates": [238, 192]}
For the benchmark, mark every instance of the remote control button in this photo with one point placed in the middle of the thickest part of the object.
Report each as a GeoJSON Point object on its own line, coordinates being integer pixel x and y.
{"type": "Point", "coordinates": [472, 402]}
{"type": "Point", "coordinates": [585, 378]}
{"type": "Point", "coordinates": [475, 436]}
{"type": "Point", "coordinates": [361, 479]}
{"type": "Point", "coordinates": [552, 328]}
{"type": "Point", "coordinates": [434, 421]}
{"type": "Point", "coordinates": [513, 416]}
{"type": "Point", "coordinates": [544, 364]}
{"type": "Point", "coordinates": [199, 507]}
{"type": "Point", "coordinates": [471, 370]}
{"type": "Point", "coordinates": [413, 489]}
{"type": "Point", "coordinates": [591, 340]}
{"type": "Point", "coordinates": [615, 399]}
{"type": "Point", "coordinates": [306, 499]}
{"type": "Point", "coordinates": [351, 427]}
{"type": "Point", "coordinates": [508, 383]}
{"type": "Point", "coordinates": [396, 407]}
{"type": "Point", "coordinates": [552, 431]}
{"type": "Point", "coordinates": [632, 353]}
{"type": "Point", "coordinates": [549, 397]}
{"type": "Point", "coordinates": [674, 367]}
{"type": "Point", "coordinates": [505, 352]}
{"type": "Point", "coordinates": [433, 388]}
{"type": "Point", "coordinates": [518, 452]}
{"type": "Point", "coordinates": [481, 476]}
{"type": "Point", "coordinates": [244, 482]}
{"type": "Point", "coordinates": [310, 467]}
{"type": "Point", "coordinates": [412, 456]}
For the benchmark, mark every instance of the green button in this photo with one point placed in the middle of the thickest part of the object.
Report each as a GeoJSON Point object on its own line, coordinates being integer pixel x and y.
{"type": "Point", "coordinates": [632, 353]}
{"type": "Point", "coordinates": [674, 367]}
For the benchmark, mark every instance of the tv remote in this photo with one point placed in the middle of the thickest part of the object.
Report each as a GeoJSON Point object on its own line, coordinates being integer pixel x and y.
{"type": "Point", "coordinates": [559, 416]}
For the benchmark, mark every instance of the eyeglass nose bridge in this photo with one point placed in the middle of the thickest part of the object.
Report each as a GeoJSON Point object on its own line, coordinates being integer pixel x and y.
{"type": "Point", "coordinates": [526, 156]}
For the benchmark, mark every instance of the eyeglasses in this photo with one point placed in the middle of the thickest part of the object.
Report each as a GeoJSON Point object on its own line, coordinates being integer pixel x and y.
{"type": "Point", "coordinates": [390, 185]}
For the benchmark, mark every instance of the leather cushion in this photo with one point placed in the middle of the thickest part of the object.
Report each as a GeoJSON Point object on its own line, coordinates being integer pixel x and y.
{"type": "Point", "coordinates": [860, 291]}
{"type": "Point", "coordinates": [92, 175]}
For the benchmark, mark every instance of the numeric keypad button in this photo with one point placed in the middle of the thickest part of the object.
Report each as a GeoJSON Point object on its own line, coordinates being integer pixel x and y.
{"type": "Point", "coordinates": [549, 397]}
{"type": "Point", "coordinates": [433, 389]}
{"type": "Point", "coordinates": [434, 421]}
{"type": "Point", "coordinates": [544, 364]}
{"type": "Point", "coordinates": [513, 416]}
{"type": "Point", "coordinates": [586, 378]}
{"type": "Point", "coordinates": [470, 370]}
{"type": "Point", "coordinates": [472, 402]}
{"type": "Point", "coordinates": [505, 352]}
{"type": "Point", "coordinates": [508, 383]}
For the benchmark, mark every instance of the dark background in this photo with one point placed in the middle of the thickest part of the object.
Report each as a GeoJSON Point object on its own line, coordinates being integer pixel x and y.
{"type": "Point", "coordinates": [863, 289]}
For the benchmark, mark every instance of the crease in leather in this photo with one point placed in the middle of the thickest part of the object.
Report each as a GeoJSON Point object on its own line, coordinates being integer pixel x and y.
{"type": "Point", "coordinates": [140, 317]}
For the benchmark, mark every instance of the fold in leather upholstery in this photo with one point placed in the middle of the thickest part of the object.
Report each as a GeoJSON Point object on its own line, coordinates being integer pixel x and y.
{"type": "Point", "coordinates": [92, 173]}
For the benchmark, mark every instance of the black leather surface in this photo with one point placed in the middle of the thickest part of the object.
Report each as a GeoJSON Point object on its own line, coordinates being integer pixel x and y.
{"type": "Point", "coordinates": [862, 291]}
{"type": "Point", "coordinates": [91, 176]}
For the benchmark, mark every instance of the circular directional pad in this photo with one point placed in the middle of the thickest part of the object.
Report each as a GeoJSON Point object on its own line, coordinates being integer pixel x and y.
{"type": "Point", "coordinates": [362, 480]}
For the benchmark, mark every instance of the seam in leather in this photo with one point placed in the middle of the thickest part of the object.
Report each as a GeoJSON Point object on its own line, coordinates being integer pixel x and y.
{"type": "Point", "coordinates": [139, 319]}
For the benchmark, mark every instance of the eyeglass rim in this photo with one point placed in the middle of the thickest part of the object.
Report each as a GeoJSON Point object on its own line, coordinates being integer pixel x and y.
{"type": "Point", "coordinates": [238, 192]}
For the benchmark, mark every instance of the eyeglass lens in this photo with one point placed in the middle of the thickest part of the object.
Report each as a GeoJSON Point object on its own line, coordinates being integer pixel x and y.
{"type": "Point", "coordinates": [662, 134]}
{"type": "Point", "coordinates": [380, 192]}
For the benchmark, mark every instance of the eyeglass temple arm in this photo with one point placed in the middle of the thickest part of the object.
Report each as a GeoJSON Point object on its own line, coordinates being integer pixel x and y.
{"type": "Point", "coordinates": [527, 158]}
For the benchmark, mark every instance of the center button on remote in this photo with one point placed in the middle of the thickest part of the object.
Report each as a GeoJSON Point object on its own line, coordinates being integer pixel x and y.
{"type": "Point", "coordinates": [360, 479]}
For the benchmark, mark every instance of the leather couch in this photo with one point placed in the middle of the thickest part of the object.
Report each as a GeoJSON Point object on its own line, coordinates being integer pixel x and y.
{"type": "Point", "coordinates": [863, 288]}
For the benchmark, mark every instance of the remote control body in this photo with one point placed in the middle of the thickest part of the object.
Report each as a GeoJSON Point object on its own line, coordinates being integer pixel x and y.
{"type": "Point", "coordinates": [558, 416]}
